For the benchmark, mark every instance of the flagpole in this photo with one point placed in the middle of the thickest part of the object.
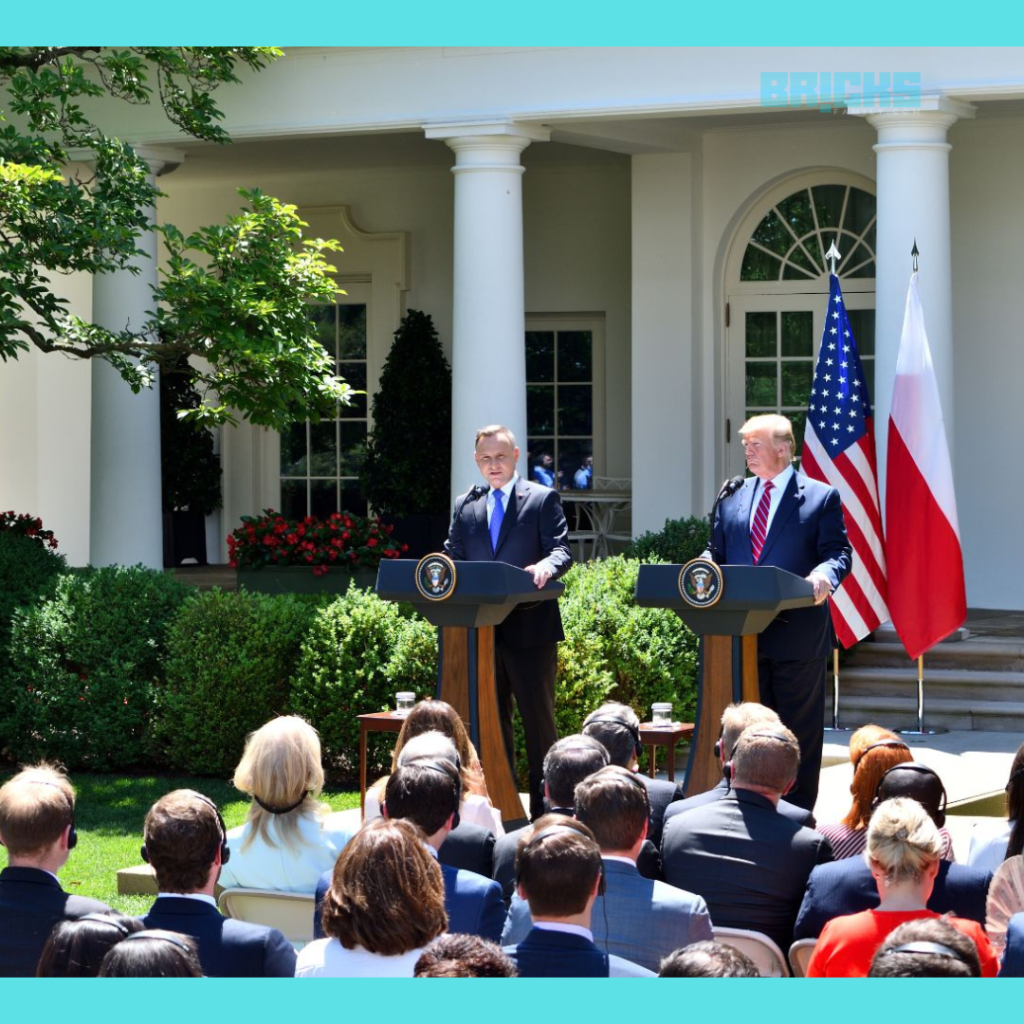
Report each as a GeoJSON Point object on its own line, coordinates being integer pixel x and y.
{"type": "Point", "coordinates": [835, 726]}
{"type": "Point", "coordinates": [921, 730]}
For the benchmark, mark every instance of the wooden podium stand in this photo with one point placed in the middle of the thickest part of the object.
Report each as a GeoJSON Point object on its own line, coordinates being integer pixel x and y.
{"type": "Point", "coordinates": [727, 668]}
{"type": "Point", "coordinates": [484, 594]}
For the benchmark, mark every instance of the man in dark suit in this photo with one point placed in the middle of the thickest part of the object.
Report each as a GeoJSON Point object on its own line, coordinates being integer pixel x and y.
{"type": "Point", "coordinates": [780, 517]}
{"type": "Point", "coordinates": [1013, 958]}
{"type": "Point", "coordinates": [37, 826]}
{"type": "Point", "coordinates": [735, 719]}
{"type": "Point", "coordinates": [748, 861]}
{"type": "Point", "coordinates": [186, 844]}
{"type": "Point", "coordinates": [521, 523]}
{"type": "Point", "coordinates": [559, 874]}
{"type": "Point", "coordinates": [428, 793]}
{"type": "Point", "coordinates": [617, 728]}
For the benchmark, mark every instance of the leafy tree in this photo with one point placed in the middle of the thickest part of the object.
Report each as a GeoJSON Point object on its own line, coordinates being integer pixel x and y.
{"type": "Point", "coordinates": [234, 294]}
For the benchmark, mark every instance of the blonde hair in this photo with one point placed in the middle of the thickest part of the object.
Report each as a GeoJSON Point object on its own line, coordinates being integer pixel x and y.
{"type": "Point", "coordinates": [281, 770]}
{"type": "Point", "coordinates": [902, 839]}
{"type": "Point", "coordinates": [737, 717]}
{"type": "Point", "coordinates": [492, 431]}
{"type": "Point", "coordinates": [778, 426]}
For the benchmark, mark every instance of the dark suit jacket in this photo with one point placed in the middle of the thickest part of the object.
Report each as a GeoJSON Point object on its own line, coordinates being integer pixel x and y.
{"type": "Point", "coordinates": [31, 903]}
{"type": "Point", "coordinates": [807, 533]}
{"type": "Point", "coordinates": [799, 814]}
{"type": "Point", "coordinates": [544, 954]}
{"type": "Point", "coordinates": [469, 847]}
{"type": "Point", "coordinates": [847, 887]}
{"type": "Point", "coordinates": [533, 528]}
{"type": "Point", "coordinates": [661, 794]}
{"type": "Point", "coordinates": [749, 862]}
{"type": "Point", "coordinates": [1013, 956]}
{"type": "Point", "coordinates": [227, 948]}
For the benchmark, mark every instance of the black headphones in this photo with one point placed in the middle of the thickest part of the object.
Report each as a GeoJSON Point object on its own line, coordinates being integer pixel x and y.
{"type": "Point", "coordinates": [72, 832]}
{"type": "Point", "coordinates": [282, 810]}
{"type": "Point", "coordinates": [634, 731]}
{"type": "Point", "coordinates": [728, 770]}
{"type": "Point", "coordinates": [921, 769]}
{"type": "Point", "coordinates": [103, 919]}
{"type": "Point", "coordinates": [875, 746]}
{"type": "Point", "coordinates": [225, 850]}
{"type": "Point", "coordinates": [455, 778]}
{"type": "Point", "coordinates": [144, 935]}
{"type": "Point", "coordinates": [547, 833]}
{"type": "Point", "coordinates": [936, 948]}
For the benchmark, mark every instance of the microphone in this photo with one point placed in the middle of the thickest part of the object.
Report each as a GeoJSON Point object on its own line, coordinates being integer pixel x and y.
{"type": "Point", "coordinates": [473, 494]}
{"type": "Point", "coordinates": [729, 488]}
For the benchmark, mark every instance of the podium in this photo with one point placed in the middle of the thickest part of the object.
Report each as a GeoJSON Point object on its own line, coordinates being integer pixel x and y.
{"type": "Point", "coordinates": [751, 597]}
{"type": "Point", "coordinates": [483, 596]}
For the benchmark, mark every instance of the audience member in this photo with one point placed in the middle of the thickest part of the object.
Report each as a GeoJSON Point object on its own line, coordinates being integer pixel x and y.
{"type": "Point", "coordinates": [748, 861]}
{"type": "Point", "coordinates": [926, 948]}
{"type": "Point", "coordinates": [385, 904]}
{"type": "Point", "coordinates": [569, 761]}
{"type": "Point", "coordinates": [903, 851]}
{"type": "Point", "coordinates": [75, 949]}
{"type": "Point", "coordinates": [559, 874]}
{"type": "Point", "coordinates": [154, 953]}
{"type": "Point", "coordinates": [289, 837]}
{"type": "Point", "coordinates": [584, 476]}
{"type": "Point", "coordinates": [992, 842]}
{"type": "Point", "coordinates": [636, 918]}
{"type": "Point", "coordinates": [708, 960]}
{"type": "Point", "coordinates": [544, 469]}
{"type": "Point", "coordinates": [463, 956]}
{"type": "Point", "coordinates": [736, 718]}
{"type": "Point", "coordinates": [37, 825]}
{"type": "Point", "coordinates": [186, 843]}
{"type": "Point", "coordinates": [1013, 950]}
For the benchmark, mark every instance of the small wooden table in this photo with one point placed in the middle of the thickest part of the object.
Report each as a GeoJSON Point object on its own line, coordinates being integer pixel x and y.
{"type": "Point", "coordinates": [377, 721]}
{"type": "Point", "coordinates": [659, 735]}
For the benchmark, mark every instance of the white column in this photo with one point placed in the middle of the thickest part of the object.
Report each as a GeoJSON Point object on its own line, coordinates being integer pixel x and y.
{"type": "Point", "coordinates": [913, 203]}
{"type": "Point", "coordinates": [488, 353]}
{"type": "Point", "coordinates": [125, 518]}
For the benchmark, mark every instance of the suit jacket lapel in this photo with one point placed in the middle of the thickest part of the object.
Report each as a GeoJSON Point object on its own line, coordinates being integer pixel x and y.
{"type": "Point", "coordinates": [480, 517]}
{"type": "Point", "coordinates": [515, 499]}
{"type": "Point", "coordinates": [791, 498]}
{"type": "Point", "coordinates": [745, 496]}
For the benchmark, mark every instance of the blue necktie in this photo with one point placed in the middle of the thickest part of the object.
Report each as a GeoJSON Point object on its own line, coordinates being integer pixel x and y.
{"type": "Point", "coordinates": [497, 515]}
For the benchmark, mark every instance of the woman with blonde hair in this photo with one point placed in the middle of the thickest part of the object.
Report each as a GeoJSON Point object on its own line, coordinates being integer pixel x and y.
{"type": "Point", "coordinates": [289, 838]}
{"type": "Point", "coordinates": [439, 716]}
{"type": "Point", "coordinates": [903, 852]}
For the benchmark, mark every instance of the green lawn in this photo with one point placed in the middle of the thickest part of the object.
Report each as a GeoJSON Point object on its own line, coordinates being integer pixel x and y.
{"type": "Point", "coordinates": [110, 811]}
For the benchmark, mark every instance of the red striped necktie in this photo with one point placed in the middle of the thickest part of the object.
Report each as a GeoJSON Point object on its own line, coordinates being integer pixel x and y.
{"type": "Point", "coordinates": [759, 527]}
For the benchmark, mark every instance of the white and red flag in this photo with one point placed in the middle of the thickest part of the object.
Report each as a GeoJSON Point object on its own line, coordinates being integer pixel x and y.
{"type": "Point", "coordinates": [927, 597]}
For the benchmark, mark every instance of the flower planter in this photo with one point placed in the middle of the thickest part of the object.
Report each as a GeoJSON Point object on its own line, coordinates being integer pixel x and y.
{"type": "Point", "coordinates": [299, 579]}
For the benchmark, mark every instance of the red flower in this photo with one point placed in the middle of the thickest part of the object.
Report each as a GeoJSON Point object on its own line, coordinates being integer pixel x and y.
{"type": "Point", "coordinates": [372, 542]}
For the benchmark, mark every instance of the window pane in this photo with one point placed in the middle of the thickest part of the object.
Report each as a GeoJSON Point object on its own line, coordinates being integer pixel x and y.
{"type": "Point", "coordinates": [575, 405]}
{"type": "Point", "coordinates": [796, 382]}
{"type": "Point", "coordinates": [799, 421]}
{"type": "Point", "coordinates": [860, 209]}
{"type": "Point", "coordinates": [761, 331]}
{"type": "Point", "coordinates": [772, 234]}
{"type": "Point", "coordinates": [540, 355]}
{"type": "Point", "coordinates": [797, 334]}
{"type": "Point", "coordinates": [355, 374]}
{"type": "Point", "coordinates": [759, 266]}
{"type": "Point", "coordinates": [352, 332]}
{"type": "Point", "coordinates": [575, 356]}
{"type": "Point", "coordinates": [324, 448]}
{"type": "Point", "coordinates": [353, 447]}
{"type": "Point", "coordinates": [762, 384]}
{"type": "Point", "coordinates": [323, 318]}
{"type": "Point", "coordinates": [540, 408]}
{"type": "Point", "coordinates": [571, 455]}
{"type": "Point", "coordinates": [799, 257]}
{"type": "Point", "coordinates": [828, 201]}
{"type": "Point", "coordinates": [796, 209]}
{"type": "Point", "coordinates": [293, 499]}
{"type": "Point", "coordinates": [293, 450]}
{"type": "Point", "coordinates": [323, 497]}
{"type": "Point", "coordinates": [352, 499]}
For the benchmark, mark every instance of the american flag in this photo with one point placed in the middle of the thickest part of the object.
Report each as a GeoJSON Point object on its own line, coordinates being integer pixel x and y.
{"type": "Point", "coordinates": [839, 449]}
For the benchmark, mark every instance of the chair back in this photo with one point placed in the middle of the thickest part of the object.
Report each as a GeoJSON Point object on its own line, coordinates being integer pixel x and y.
{"type": "Point", "coordinates": [800, 956]}
{"type": "Point", "coordinates": [770, 960]}
{"type": "Point", "coordinates": [290, 912]}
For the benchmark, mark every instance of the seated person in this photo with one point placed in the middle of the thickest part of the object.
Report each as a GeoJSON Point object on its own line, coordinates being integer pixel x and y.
{"type": "Point", "coordinates": [708, 960]}
{"type": "Point", "coordinates": [926, 948]}
{"type": "Point", "coordinates": [463, 956]}
{"type": "Point", "coordinates": [289, 839]}
{"type": "Point", "coordinates": [438, 716]}
{"type": "Point", "coordinates": [75, 949]}
{"type": "Point", "coordinates": [903, 848]}
{"type": "Point", "coordinates": [384, 906]}
{"type": "Point", "coordinates": [995, 841]}
{"type": "Point", "coordinates": [559, 874]}
{"type": "Point", "coordinates": [154, 953]}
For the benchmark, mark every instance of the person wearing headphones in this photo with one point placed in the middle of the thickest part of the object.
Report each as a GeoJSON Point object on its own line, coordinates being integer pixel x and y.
{"type": "Point", "coordinates": [748, 861]}
{"type": "Point", "coordinates": [559, 874]}
{"type": "Point", "coordinates": [635, 918]}
{"type": "Point", "coordinates": [186, 843]}
{"type": "Point", "coordinates": [37, 825]}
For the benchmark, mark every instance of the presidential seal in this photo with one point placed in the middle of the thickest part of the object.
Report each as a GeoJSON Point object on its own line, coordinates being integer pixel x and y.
{"type": "Point", "coordinates": [435, 577]}
{"type": "Point", "coordinates": [700, 583]}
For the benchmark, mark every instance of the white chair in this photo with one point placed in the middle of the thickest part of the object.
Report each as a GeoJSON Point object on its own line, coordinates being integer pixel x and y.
{"type": "Point", "coordinates": [290, 912]}
{"type": "Point", "coordinates": [800, 956]}
{"type": "Point", "coordinates": [770, 960]}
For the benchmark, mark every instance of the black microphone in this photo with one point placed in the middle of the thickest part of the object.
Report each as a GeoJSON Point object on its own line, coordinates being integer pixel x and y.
{"type": "Point", "coordinates": [473, 494]}
{"type": "Point", "coordinates": [729, 488]}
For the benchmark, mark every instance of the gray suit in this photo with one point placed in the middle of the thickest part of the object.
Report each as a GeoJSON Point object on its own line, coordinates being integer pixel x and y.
{"type": "Point", "coordinates": [637, 919]}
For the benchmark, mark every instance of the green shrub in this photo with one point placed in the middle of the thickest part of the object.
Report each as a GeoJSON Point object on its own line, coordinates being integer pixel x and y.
{"type": "Point", "coordinates": [230, 658]}
{"type": "Point", "coordinates": [28, 575]}
{"type": "Point", "coordinates": [85, 667]}
{"type": "Point", "coordinates": [678, 542]}
{"type": "Point", "coordinates": [359, 650]}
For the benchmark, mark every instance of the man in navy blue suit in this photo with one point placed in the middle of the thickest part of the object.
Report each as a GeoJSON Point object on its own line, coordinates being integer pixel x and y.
{"type": "Point", "coordinates": [521, 523]}
{"type": "Point", "coordinates": [428, 792]}
{"type": "Point", "coordinates": [186, 843]}
{"type": "Point", "coordinates": [780, 517]}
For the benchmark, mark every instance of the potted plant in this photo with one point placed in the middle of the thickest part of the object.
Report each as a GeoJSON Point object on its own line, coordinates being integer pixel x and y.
{"type": "Point", "coordinates": [406, 474]}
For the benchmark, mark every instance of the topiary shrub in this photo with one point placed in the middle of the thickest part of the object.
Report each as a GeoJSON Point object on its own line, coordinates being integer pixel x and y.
{"type": "Point", "coordinates": [678, 542]}
{"type": "Point", "coordinates": [230, 658]}
{"type": "Point", "coordinates": [85, 666]}
{"type": "Point", "coordinates": [358, 652]}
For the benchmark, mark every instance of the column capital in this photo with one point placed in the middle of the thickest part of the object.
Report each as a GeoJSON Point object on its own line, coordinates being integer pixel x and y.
{"type": "Point", "coordinates": [925, 123]}
{"type": "Point", "coordinates": [515, 132]}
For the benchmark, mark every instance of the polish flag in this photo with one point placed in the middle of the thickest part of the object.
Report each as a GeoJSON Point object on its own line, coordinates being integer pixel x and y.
{"type": "Point", "coordinates": [927, 598]}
